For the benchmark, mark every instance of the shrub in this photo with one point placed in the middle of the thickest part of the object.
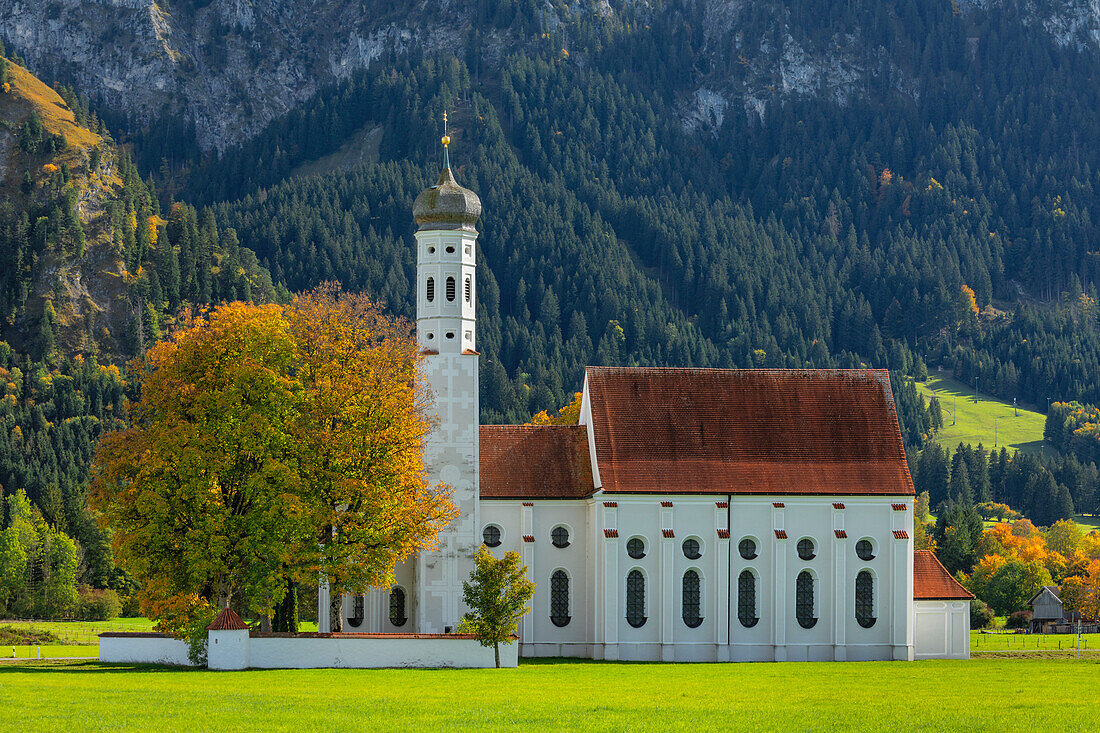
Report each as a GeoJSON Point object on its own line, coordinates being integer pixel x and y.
{"type": "Point", "coordinates": [981, 615]}
{"type": "Point", "coordinates": [99, 605]}
{"type": "Point", "coordinates": [1018, 620]}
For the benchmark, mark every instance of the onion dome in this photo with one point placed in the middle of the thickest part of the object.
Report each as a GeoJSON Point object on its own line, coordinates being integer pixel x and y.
{"type": "Point", "coordinates": [447, 205]}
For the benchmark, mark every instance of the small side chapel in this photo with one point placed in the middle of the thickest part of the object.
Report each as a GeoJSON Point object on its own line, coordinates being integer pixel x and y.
{"type": "Point", "coordinates": [689, 515]}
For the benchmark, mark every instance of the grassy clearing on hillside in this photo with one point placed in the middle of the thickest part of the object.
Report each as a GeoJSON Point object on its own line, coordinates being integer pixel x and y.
{"type": "Point", "coordinates": [56, 116]}
{"type": "Point", "coordinates": [988, 421]}
{"type": "Point", "coordinates": [985, 694]}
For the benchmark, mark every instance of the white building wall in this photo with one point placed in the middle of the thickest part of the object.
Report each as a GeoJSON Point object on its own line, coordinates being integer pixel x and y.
{"type": "Point", "coordinates": [941, 630]}
{"type": "Point", "coordinates": [598, 564]}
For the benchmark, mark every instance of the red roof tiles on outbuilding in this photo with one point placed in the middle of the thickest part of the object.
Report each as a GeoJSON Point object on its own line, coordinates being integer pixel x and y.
{"type": "Point", "coordinates": [227, 620]}
{"type": "Point", "coordinates": [932, 582]}
{"type": "Point", "coordinates": [535, 462]}
{"type": "Point", "coordinates": [746, 431]}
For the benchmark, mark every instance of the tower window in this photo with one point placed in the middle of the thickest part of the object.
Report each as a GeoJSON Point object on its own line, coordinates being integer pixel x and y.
{"type": "Point", "coordinates": [431, 250]}
{"type": "Point", "coordinates": [450, 334]}
{"type": "Point", "coordinates": [865, 550]}
{"type": "Point", "coordinates": [691, 600]}
{"type": "Point", "coordinates": [491, 535]}
{"type": "Point", "coordinates": [865, 599]}
{"type": "Point", "coordinates": [691, 549]}
{"type": "Point", "coordinates": [559, 536]}
{"type": "Point", "coordinates": [635, 599]}
{"type": "Point", "coordinates": [469, 288]}
{"type": "Point", "coordinates": [398, 617]}
{"type": "Point", "coordinates": [636, 548]}
{"type": "Point", "coordinates": [450, 250]}
{"type": "Point", "coordinates": [747, 548]}
{"type": "Point", "coordinates": [355, 618]}
{"type": "Point", "coordinates": [431, 289]}
{"type": "Point", "coordinates": [450, 289]}
{"type": "Point", "coordinates": [746, 599]}
{"type": "Point", "coordinates": [806, 549]}
{"type": "Point", "coordinates": [804, 600]}
{"type": "Point", "coordinates": [559, 598]}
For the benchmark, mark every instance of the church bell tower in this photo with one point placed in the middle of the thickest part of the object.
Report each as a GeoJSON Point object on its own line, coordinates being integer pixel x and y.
{"type": "Point", "coordinates": [446, 288]}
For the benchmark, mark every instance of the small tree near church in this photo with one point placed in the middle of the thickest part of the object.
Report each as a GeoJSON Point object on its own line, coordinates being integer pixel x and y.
{"type": "Point", "coordinates": [497, 595]}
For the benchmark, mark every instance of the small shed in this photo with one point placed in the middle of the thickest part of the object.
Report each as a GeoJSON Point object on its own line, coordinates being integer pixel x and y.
{"type": "Point", "coordinates": [1046, 609]}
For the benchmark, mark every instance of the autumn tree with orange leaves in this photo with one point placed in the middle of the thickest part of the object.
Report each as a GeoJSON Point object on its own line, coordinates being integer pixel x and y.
{"type": "Point", "coordinates": [271, 444]}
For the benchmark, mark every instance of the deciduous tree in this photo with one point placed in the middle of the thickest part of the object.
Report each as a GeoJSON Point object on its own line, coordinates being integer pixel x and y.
{"type": "Point", "coordinates": [497, 594]}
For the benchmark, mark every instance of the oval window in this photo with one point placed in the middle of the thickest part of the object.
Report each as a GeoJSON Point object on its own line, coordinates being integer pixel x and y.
{"type": "Point", "coordinates": [865, 550]}
{"type": "Point", "coordinates": [691, 549]}
{"type": "Point", "coordinates": [806, 549]}
{"type": "Point", "coordinates": [747, 548]}
{"type": "Point", "coordinates": [635, 548]}
{"type": "Point", "coordinates": [559, 536]}
{"type": "Point", "coordinates": [491, 535]}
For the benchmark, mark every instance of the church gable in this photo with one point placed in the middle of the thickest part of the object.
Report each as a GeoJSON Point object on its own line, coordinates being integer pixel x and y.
{"type": "Point", "coordinates": [752, 431]}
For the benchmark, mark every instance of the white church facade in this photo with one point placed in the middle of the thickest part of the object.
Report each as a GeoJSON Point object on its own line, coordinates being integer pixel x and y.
{"type": "Point", "coordinates": [690, 515]}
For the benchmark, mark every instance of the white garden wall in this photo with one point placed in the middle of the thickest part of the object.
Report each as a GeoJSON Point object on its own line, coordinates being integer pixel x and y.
{"type": "Point", "coordinates": [240, 650]}
{"type": "Point", "coordinates": [123, 648]}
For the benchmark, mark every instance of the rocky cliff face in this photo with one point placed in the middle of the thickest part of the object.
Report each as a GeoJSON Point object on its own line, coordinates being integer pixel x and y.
{"type": "Point", "coordinates": [232, 66]}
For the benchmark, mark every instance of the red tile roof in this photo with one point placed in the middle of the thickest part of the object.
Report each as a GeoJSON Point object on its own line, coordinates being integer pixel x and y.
{"type": "Point", "coordinates": [838, 505]}
{"type": "Point", "coordinates": [611, 533]}
{"type": "Point", "coordinates": [932, 582]}
{"type": "Point", "coordinates": [535, 462]}
{"type": "Point", "coordinates": [898, 507]}
{"type": "Point", "coordinates": [668, 533]}
{"type": "Point", "coordinates": [723, 534]}
{"type": "Point", "coordinates": [722, 504]}
{"type": "Point", "coordinates": [901, 534]}
{"type": "Point", "coordinates": [779, 505]}
{"type": "Point", "coordinates": [840, 534]}
{"type": "Point", "coordinates": [528, 538]}
{"type": "Point", "coordinates": [750, 431]}
{"type": "Point", "coordinates": [226, 620]}
{"type": "Point", "coordinates": [781, 534]}
{"type": "Point", "coordinates": [611, 504]}
{"type": "Point", "coordinates": [666, 504]}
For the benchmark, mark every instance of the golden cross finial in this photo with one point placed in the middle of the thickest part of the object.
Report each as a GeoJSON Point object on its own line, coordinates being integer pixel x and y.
{"type": "Point", "coordinates": [446, 137]}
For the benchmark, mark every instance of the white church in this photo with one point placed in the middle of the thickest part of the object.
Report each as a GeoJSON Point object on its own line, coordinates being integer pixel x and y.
{"type": "Point", "coordinates": [690, 515]}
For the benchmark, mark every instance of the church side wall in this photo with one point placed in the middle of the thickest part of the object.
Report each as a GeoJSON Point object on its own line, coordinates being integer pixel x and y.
{"type": "Point", "coordinates": [599, 564]}
{"type": "Point", "coordinates": [941, 629]}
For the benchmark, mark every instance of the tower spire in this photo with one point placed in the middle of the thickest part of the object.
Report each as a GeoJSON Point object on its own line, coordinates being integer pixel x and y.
{"type": "Point", "coordinates": [446, 142]}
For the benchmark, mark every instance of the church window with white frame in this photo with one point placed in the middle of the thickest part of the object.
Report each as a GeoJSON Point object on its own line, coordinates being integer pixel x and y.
{"type": "Point", "coordinates": [804, 600]}
{"type": "Point", "coordinates": [746, 599]}
{"type": "Point", "coordinates": [865, 550]}
{"type": "Point", "coordinates": [491, 535]}
{"type": "Point", "coordinates": [431, 289]}
{"type": "Point", "coordinates": [355, 618]}
{"type": "Point", "coordinates": [747, 548]}
{"type": "Point", "coordinates": [635, 599]}
{"type": "Point", "coordinates": [692, 600]}
{"type": "Point", "coordinates": [450, 289]}
{"type": "Point", "coordinates": [559, 537]}
{"type": "Point", "coordinates": [398, 613]}
{"type": "Point", "coordinates": [635, 547]}
{"type": "Point", "coordinates": [559, 598]}
{"type": "Point", "coordinates": [692, 549]}
{"type": "Point", "coordinates": [865, 599]}
{"type": "Point", "coordinates": [806, 549]}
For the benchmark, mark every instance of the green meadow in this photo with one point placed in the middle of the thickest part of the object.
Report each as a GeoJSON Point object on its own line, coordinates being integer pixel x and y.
{"type": "Point", "coordinates": [1002, 694]}
{"type": "Point", "coordinates": [970, 417]}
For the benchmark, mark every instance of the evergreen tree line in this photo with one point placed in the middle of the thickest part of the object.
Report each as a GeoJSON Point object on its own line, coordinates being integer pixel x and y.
{"type": "Point", "coordinates": [1043, 488]}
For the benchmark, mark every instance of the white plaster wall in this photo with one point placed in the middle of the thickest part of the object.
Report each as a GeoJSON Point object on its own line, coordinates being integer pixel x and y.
{"type": "Point", "coordinates": [227, 649]}
{"type": "Point", "coordinates": [941, 629]}
{"type": "Point", "coordinates": [143, 649]}
{"type": "Point", "coordinates": [599, 576]}
{"type": "Point", "coordinates": [374, 652]}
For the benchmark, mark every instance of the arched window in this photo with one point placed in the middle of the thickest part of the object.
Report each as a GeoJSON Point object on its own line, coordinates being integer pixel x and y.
{"type": "Point", "coordinates": [691, 549]}
{"type": "Point", "coordinates": [491, 535]}
{"type": "Point", "coordinates": [747, 548]}
{"type": "Point", "coordinates": [806, 549]}
{"type": "Point", "coordinates": [450, 289]}
{"type": "Point", "coordinates": [398, 617]}
{"type": "Point", "coordinates": [431, 289]}
{"type": "Point", "coordinates": [804, 600]}
{"type": "Point", "coordinates": [355, 618]}
{"type": "Point", "coordinates": [559, 598]}
{"type": "Point", "coordinates": [865, 599]}
{"type": "Point", "coordinates": [691, 600]}
{"type": "Point", "coordinates": [635, 598]}
{"type": "Point", "coordinates": [559, 536]}
{"type": "Point", "coordinates": [865, 550]}
{"type": "Point", "coordinates": [635, 547]}
{"type": "Point", "coordinates": [469, 288]}
{"type": "Point", "coordinates": [746, 599]}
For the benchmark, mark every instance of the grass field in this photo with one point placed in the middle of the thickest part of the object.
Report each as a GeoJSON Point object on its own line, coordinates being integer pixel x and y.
{"type": "Point", "coordinates": [982, 694]}
{"type": "Point", "coordinates": [82, 632]}
{"type": "Point", "coordinates": [1027, 642]}
{"type": "Point", "coordinates": [988, 421]}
